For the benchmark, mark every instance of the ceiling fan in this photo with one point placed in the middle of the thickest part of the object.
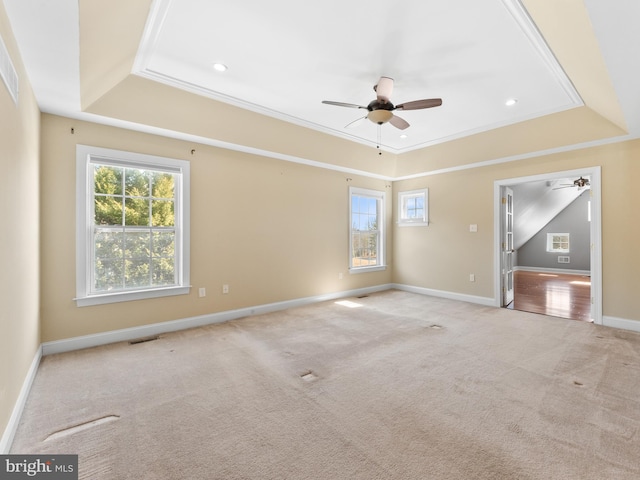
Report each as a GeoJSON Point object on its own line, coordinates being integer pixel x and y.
{"type": "Point", "coordinates": [580, 183]}
{"type": "Point", "coordinates": [381, 109]}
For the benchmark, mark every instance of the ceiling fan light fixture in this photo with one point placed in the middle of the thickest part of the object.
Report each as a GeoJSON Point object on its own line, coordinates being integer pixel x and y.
{"type": "Point", "coordinates": [380, 116]}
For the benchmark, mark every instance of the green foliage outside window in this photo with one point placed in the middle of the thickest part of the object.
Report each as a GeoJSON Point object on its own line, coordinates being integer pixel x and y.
{"type": "Point", "coordinates": [133, 232]}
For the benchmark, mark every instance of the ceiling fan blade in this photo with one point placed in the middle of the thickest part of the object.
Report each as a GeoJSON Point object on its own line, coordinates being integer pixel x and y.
{"type": "Point", "coordinates": [419, 104]}
{"type": "Point", "coordinates": [342, 104]}
{"type": "Point", "coordinates": [398, 122]}
{"type": "Point", "coordinates": [384, 88]}
{"type": "Point", "coordinates": [355, 123]}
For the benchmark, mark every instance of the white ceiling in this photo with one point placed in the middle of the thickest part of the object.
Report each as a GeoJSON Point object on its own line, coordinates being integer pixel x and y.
{"type": "Point", "coordinates": [285, 57]}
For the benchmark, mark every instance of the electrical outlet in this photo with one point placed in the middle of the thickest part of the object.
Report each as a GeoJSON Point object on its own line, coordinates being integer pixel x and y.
{"type": "Point", "coordinates": [340, 276]}
{"type": "Point", "coordinates": [472, 277]}
{"type": "Point", "coordinates": [202, 292]}
{"type": "Point", "coordinates": [225, 288]}
{"type": "Point", "coordinates": [473, 228]}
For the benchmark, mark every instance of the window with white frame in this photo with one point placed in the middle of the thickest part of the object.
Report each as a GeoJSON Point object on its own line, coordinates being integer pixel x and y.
{"type": "Point", "coordinates": [558, 242]}
{"type": "Point", "coordinates": [413, 208]}
{"type": "Point", "coordinates": [366, 219]}
{"type": "Point", "coordinates": [132, 226]}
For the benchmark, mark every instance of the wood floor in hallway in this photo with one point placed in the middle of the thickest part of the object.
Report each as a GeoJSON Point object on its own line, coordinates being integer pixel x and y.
{"type": "Point", "coordinates": [555, 294]}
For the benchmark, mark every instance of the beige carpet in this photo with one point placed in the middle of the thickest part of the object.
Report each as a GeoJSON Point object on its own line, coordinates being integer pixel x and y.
{"type": "Point", "coordinates": [403, 387]}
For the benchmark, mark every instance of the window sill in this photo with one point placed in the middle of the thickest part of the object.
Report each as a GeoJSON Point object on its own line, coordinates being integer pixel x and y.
{"type": "Point", "coordinates": [130, 296]}
{"type": "Point", "coordinates": [413, 224]}
{"type": "Point", "coordinates": [376, 268]}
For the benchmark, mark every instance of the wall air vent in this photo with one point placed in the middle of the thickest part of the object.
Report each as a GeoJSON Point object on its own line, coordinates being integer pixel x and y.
{"type": "Point", "coordinates": [564, 259]}
{"type": "Point", "coordinates": [8, 72]}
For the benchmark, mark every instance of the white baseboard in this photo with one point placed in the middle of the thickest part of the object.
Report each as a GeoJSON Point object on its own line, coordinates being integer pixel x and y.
{"type": "Point", "coordinates": [568, 271]}
{"type": "Point", "coordinates": [486, 301]}
{"type": "Point", "coordinates": [104, 338]}
{"type": "Point", "coordinates": [621, 323]}
{"type": "Point", "coordinates": [16, 414]}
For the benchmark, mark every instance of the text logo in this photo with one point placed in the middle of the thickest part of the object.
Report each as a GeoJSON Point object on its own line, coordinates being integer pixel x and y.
{"type": "Point", "coordinates": [50, 467]}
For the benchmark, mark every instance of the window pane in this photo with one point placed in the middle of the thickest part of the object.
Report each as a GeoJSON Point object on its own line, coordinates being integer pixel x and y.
{"type": "Point", "coordinates": [107, 180]}
{"type": "Point", "coordinates": [364, 249]}
{"type": "Point", "coordinates": [163, 271]}
{"type": "Point", "coordinates": [136, 182]}
{"type": "Point", "coordinates": [417, 213]}
{"type": "Point", "coordinates": [109, 275]}
{"type": "Point", "coordinates": [163, 185]}
{"type": "Point", "coordinates": [136, 211]}
{"type": "Point", "coordinates": [137, 273]}
{"type": "Point", "coordinates": [372, 206]}
{"type": "Point", "coordinates": [162, 213]}
{"type": "Point", "coordinates": [108, 244]}
{"type": "Point", "coordinates": [107, 210]}
{"type": "Point", "coordinates": [355, 204]}
{"type": "Point", "coordinates": [137, 244]}
{"type": "Point", "coordinates": [163, 244]}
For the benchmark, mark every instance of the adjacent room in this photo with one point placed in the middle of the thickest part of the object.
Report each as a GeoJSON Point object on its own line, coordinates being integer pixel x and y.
{"type": "Point", "coordinates": [340, 240]}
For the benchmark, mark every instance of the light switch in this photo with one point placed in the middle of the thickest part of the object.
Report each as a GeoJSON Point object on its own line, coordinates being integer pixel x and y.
{"type": "Point", "coordinates": [473, 228]}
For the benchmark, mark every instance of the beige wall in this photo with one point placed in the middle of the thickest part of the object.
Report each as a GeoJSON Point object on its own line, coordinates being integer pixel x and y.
{"type": "Point", "coordinates": [276, 230]}
{"type": "Point", "coordinates": [19, 243]}
{"type": "Point", "coordinates": [272, 230]}
{"type": "Point", "coordinates": [442, 255]}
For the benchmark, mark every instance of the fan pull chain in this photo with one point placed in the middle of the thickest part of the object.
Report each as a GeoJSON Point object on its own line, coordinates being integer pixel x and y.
{"type": "Point", "coordinates": [379, 139]}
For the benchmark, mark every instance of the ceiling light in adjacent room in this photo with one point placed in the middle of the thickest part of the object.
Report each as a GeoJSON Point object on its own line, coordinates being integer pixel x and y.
{"type": "Point", "coordinates": [511, 102]}
{"type": "Point", "coordinates": [219, 67]}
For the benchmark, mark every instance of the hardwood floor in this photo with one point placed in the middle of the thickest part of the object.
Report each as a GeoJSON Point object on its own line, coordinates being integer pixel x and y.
{"type": "Point", "coordinates": [558, 295]}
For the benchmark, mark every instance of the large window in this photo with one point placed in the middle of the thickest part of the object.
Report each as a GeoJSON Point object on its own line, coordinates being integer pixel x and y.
{"type": "Point", "coordinates": [367, 229]}
{"type": "Point", "coordinates": [132, 226]}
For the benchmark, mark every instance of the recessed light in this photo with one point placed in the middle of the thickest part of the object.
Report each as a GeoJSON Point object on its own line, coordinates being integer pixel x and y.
{"type": "Point", "coordinates": [511, 102]}
{"type": "Point", "coordinates": [219, 67]}
{"type": "Point", "coordinates": [404, 135]}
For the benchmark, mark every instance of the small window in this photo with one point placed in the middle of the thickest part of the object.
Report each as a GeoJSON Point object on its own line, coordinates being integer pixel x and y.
{"type": "Point", "coordinates": [413, 208]}
{"type": "Point", "coordinates": [558, 242]}
{"type": "Point", "coordinates": [132, 226]}
{"type": "Point", "coordinates": [366, 242]}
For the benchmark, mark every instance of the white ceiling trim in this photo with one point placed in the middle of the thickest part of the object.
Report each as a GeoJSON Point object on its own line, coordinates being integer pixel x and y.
{"type": "Point", "coordinates": [531, 31]}
{"type": "Point", "coordinates": [186, 137]}
{"type": "Point", "coordinates": [524, 156]}
{"type": "Point", "coordinates": [158, 15]}
{"type": "Point", "coordinates": [212, 142]}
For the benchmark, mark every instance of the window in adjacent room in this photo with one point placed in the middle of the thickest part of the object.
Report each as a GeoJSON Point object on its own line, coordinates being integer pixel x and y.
{"type": "Point", "coordinates": [558, 242]}
{"type": "Point", "coordinates": [132, 226]}
{"type": "Point", "coordinates": [413, 208]}
{"type": "Point", "coordinates": [366, 243]}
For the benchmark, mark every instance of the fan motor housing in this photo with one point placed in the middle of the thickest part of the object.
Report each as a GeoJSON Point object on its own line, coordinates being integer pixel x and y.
{"type": "Point", "coordinates": [378, 105]}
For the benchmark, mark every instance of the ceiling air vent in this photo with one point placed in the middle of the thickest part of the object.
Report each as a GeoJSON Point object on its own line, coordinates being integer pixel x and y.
{"type": "Point", "coordinates": [8, 72]}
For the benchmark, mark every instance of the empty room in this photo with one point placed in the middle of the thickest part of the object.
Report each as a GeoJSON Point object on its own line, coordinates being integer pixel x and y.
{"type": "Point", "coordinates": [249, 240]}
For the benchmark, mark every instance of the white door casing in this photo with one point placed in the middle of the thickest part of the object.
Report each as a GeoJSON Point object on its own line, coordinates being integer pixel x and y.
{"type": "Point", "coordinates": [596, 233]}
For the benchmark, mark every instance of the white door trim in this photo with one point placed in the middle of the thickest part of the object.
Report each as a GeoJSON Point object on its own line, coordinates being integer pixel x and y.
{"type": "Point", "coordinates": [506, 211]}
{"type": "Point", "coordinates": [596, 232]}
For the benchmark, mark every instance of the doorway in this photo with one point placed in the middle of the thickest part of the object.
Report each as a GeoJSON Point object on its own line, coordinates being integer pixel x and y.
{"type": "Point", "coordinates": [505, 250]}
